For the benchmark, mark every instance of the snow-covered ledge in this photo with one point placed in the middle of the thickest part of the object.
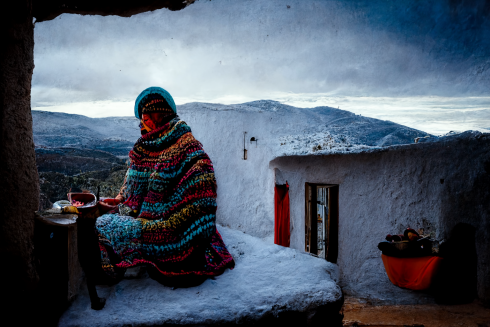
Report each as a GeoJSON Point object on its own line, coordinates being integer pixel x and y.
{"type": "Point", "coordinates": [269, 284]}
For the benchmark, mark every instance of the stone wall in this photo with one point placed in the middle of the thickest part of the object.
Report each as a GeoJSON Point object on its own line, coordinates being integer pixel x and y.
{"type": "Point", "coordinates": [19, 191]}
{"type": "Point", "coordinates": [432, 186]}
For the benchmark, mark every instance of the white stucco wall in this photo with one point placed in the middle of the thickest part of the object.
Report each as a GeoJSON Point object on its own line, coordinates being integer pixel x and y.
{"type": "Point", "coordinates": [386, 191]}
{"type": "Point", "coordinates": [246, 187]}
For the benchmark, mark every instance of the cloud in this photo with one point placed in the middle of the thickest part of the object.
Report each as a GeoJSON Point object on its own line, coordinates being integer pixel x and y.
{"type": "Point", "coordinates": [254, 48]}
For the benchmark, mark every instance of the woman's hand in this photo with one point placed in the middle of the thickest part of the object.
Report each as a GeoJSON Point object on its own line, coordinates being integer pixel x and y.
{"type": "Point", "coordinates": [119, 198]}
{"type": "Point", "coordinates": [111, 202]}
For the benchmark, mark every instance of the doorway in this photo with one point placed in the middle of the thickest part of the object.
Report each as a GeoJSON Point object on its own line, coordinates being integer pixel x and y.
{"type": "Point", "coordinates": [322, 220]}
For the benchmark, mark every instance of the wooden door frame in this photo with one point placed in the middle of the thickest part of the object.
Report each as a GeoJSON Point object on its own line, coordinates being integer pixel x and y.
{"type": "Point", "coordinates": [332, 226]}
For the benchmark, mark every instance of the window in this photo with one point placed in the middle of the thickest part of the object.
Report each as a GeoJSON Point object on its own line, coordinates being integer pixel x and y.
{"type": "Point", "coordinates": [322, 220]}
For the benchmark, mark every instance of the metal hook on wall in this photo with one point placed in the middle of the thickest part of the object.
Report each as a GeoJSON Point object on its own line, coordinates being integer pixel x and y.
{"type": "Point", "coordinates": [244, 148]}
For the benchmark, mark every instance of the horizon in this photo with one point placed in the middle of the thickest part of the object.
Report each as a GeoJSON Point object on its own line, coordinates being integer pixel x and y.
{"type": "Point", "coordinates": [472, 115]}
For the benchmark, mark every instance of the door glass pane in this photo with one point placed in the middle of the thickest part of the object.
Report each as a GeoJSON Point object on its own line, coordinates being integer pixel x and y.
{"type": "Point", "coordinates": [322, 219]}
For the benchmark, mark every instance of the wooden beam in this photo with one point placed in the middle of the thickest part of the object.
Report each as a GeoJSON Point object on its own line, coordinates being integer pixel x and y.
{"type": "Point", "coordinates": [313, 220]}
{"type": "Point", "coordinates": [333, 224]}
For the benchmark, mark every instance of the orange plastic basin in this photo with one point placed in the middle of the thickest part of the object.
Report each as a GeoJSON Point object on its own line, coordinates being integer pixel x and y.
{"type": "Point", "coordinates": [413, 273]}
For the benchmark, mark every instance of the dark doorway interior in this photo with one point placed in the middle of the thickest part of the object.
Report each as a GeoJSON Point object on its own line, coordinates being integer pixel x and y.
{"type": "Point", "coordinates": [322, 220]}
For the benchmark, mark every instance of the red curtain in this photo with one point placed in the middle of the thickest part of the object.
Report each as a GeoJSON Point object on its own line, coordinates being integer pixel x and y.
{"type": "Point", "coordinates": [281, 215]}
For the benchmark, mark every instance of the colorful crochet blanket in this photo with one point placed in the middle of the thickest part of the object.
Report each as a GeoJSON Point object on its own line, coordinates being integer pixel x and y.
{"type": "Point", "coordinates": [171, 188]}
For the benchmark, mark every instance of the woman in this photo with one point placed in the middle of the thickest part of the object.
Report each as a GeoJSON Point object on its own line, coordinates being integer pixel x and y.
{"type": "Point", "coordinates": [166, 219]}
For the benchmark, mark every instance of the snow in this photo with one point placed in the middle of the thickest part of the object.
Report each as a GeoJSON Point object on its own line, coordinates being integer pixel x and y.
{"type": "Point", "coordinates": [267, 280]}
{"type": "Point", "coordinates": [319, 143]}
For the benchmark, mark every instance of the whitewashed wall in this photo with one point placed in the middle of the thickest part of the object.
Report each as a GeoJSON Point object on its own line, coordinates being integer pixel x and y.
{"type": "Point", "coordinates": [246, 187]}
{"type": "Point", "coordinates": [432, 186]}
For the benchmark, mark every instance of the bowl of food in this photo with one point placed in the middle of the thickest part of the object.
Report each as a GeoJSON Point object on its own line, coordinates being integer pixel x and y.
{"type": "Point", "coordinates": [85, 202]}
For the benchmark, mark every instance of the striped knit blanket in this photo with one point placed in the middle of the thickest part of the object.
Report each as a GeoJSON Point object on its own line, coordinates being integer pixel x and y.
{"type": "Point", "coordinates": [171, 187]}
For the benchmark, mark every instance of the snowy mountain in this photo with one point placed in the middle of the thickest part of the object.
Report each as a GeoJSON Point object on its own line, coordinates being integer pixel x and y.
{"type": "Point", "coordinates": [289, 130]}
{"type": "Point", "coordinates": [115, 135]}
{"type": "Point", "coordinates": [285, 129]}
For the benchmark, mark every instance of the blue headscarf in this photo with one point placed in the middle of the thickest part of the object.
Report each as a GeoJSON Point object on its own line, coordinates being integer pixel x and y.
{"type": "Point", "coordinates": [148, 94]}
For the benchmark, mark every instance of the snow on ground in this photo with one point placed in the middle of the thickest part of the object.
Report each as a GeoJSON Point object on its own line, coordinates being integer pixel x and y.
{"type": "Point", "coordinates": [268, 279]}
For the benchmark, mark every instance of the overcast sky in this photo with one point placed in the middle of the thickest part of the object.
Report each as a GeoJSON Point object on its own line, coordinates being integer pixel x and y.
{"type": "Point", "coordinates": [232, 51]}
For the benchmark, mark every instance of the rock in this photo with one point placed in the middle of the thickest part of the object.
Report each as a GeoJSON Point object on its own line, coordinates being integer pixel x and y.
{"type": "Point", "coordinates": [269, 284]}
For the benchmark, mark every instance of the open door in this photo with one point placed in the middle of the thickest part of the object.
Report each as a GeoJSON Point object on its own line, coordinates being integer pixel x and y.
{"type": "Point", "coordinates": [321, 220]}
